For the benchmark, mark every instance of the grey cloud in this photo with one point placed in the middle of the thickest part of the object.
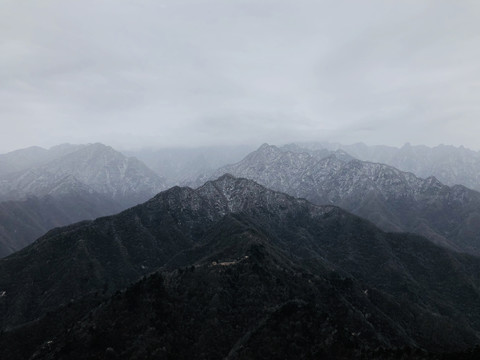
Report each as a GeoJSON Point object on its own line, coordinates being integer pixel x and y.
{"type": "Point", "coordinates": [206, 72]}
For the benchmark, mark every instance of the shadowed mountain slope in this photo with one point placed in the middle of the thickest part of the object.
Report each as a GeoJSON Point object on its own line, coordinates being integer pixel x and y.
{"type": "Point", "coordinates": [235, 259]}
{"type": "Point", "coordinates": [23, 221]}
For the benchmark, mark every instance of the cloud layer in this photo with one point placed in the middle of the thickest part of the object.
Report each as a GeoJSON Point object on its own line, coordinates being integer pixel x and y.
{"type": "Point", "coordinates": [198, 72]}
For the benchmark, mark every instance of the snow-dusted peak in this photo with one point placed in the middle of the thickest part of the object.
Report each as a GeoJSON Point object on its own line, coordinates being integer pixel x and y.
{"type": "Point", "coordinates": [393, 199]}
{"type": "Point", "coordinates": [229, 194]}
{"type": "Point", "coordinates": [96, 166]}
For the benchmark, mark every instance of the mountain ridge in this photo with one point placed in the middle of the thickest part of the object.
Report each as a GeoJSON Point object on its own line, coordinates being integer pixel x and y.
{"type": "Point", "coordinates": [66, 184]}
{"type": "Point", "coordinates": [202, 242]}
{"type": "Point", "coordinates": [450, 164]}
{"type": "Point", "coordinates": [97, 166]}
{"type": "Point", "coordinates": [394, 200]}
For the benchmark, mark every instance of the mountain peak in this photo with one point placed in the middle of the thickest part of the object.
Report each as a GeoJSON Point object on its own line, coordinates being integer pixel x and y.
{"type": "Point", "coordinates": [98, 166]}
{"type": "Point", "coordinates": [381, 193]}
{"type": "Point", "coordinates": [226, 177]}
{"type": "Point", "coordinates": [101, 148]}
{"type": "Point", "coordinates": [235, 239]}
{"type": "Point", "coordinates": [229, 186]}
{"type": "Point", "coordinates": [266, 148]}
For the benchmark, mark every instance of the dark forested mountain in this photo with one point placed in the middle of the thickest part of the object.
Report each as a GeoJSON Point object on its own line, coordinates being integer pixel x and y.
{"type": "Point", "coordinates": [66, 184]}
{"type": "Point", "coordinates": [238, 272]}
{"type": "Point", "coordinates": [392, 199]}
{"type": "Point", "coordinates": [23, 221]}
{"type": "Point", "coordinates": [449, 164]}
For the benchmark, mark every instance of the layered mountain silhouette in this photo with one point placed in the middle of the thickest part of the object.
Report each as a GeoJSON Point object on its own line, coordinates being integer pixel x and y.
{"type": "Point", "coordinates": [97, 166]}
{"type": "Point", "coordinates": [238, 271]}
{"type": "Point", "coordinates": [66, 184]}
{"type": "Point", "coordinates": [392, 199]}
{"type": "Point", "coordinates": [33, 156]}
{"type": "Point", "coordinates": [449, 164]}
{"type": "Point", "coordinates": [23, 221]}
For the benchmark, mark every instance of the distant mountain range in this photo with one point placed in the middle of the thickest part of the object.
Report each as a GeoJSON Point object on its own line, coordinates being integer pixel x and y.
{"type": "Point", "coordinates": [392, 199]}
{"type": "Point", "coordinates": [449, 164]}
{"type": "Point", "coordinates": [41, 189]}
{"type": "Point", "coordinates": [238, 271]}
{"type": "Point", "coordinates": [98, 167]}
{"type": "Point", "coordinates": [33, 156]}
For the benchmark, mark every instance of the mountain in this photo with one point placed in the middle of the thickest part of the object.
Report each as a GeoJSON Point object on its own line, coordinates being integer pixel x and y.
{"type": "Point", "coordinates": [66, 184]}
{"type": "Point", "coordinates": [23, 221]}
{"type": "Point", "coordinates": [449, 164]}
{"type": "Point", "coordinates": [104, 170]}
{"type": "Point", "coordinates": [392, 199]}
{"type": "Point", "coordinates": [265, 154]}
{"type": "Point", "coordinates": [23, 159]}
{"type": "Point", "coordinates": [238, 271]}
{"type": "Point", "coordinates": [318, 153]}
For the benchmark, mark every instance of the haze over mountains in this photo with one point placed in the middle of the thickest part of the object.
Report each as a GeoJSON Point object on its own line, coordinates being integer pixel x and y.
{"type": "Point", "coordinates": [69, 183]}
{"type": "Point", "coordinates": [160, 229]}
{"type": "Point", "coordinates": [392, 199]}
{"type": "Point", "coordinates": [449, 164]}
{"type": "Point", "coordinates": [234, 264]}
{"type": "Point", "coordinates": [41, 189]}
{"type": "Point", "coordinates": [181, 165]}
{"type": "Point", "coordinates": [23, 159]}
{"type": "Point", "coordinates": [235, 261]}
{"type": "Point", "coordinates": [98, 167]}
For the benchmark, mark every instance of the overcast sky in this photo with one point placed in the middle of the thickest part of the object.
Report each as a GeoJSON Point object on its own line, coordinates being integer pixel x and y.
{"type": "Point", "coordinates": [209, 72]}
